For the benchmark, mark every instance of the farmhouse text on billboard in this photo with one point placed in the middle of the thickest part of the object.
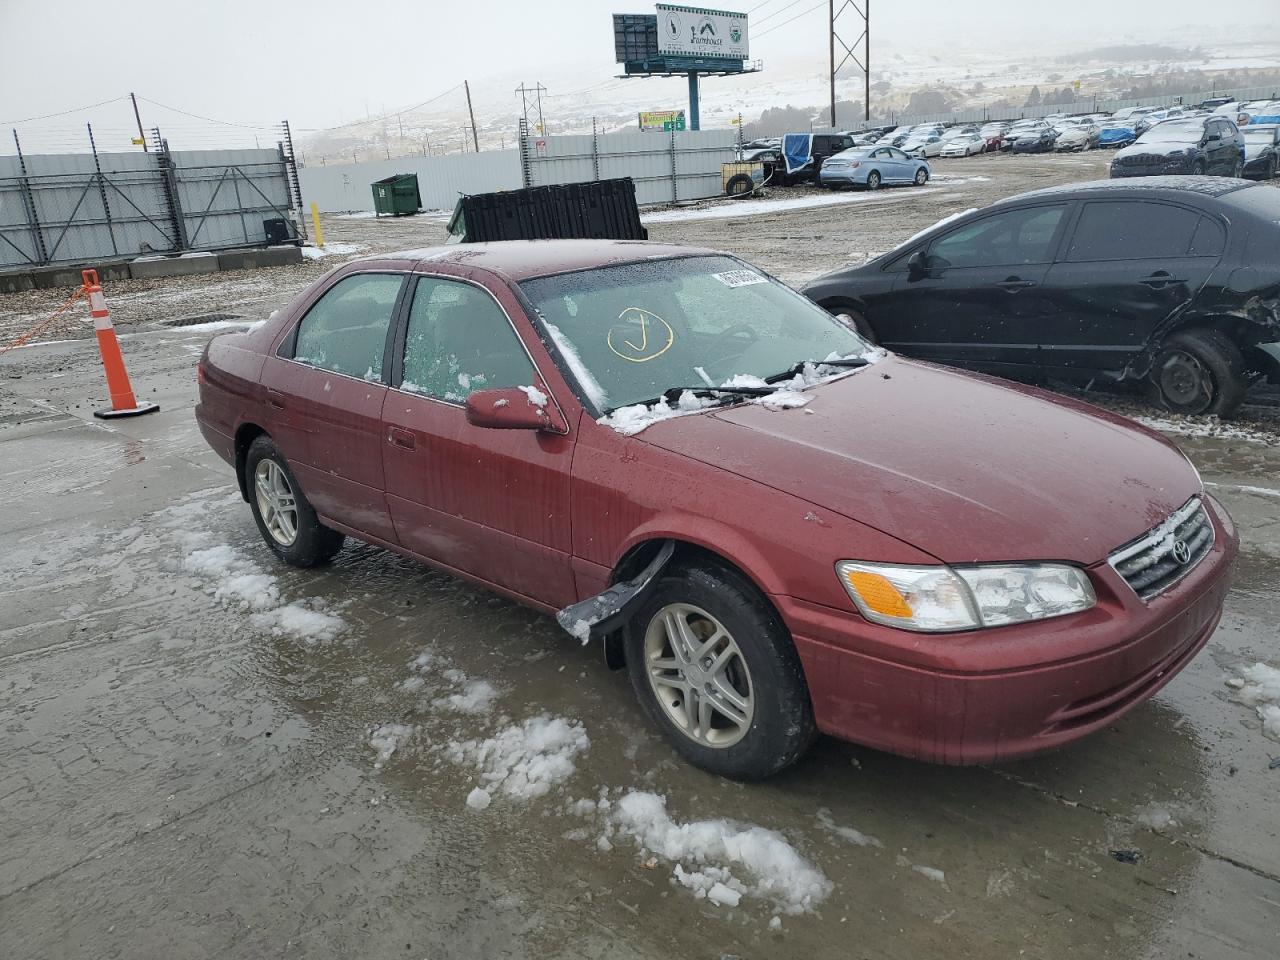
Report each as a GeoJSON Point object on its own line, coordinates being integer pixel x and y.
{"type": "Point", "coordinates": [694, 31]}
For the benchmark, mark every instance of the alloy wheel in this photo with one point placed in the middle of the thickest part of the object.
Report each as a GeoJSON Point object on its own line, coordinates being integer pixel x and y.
{"type": "Point", "coordinates": [277, 503]}
{"type": "Point", "coordinates": [698, 675]}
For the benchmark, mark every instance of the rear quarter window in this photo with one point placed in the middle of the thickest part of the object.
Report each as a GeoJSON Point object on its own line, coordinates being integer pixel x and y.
{"type": "Point", "coordinates": [1132, 230]}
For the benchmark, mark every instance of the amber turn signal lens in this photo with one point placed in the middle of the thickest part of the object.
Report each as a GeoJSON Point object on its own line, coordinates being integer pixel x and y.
{"type": "Point", "coordinates": [879, 594]}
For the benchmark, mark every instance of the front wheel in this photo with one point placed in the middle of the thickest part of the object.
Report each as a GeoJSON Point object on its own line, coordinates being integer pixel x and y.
{"type": "Point", "coordinates": [1199, 371]}
{"type": "Point", "coordinates": [715, 668]}
{"type": "Point", "coordinates": [285, 517]}
{"type": "Point", "coordinates": [873, 180]}
{"type": "Point", "coordinates": [922, 177]}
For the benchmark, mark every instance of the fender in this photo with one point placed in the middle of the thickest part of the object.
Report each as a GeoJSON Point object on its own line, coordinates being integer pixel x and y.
{"type": "Point", "coordinates": [598, 616]}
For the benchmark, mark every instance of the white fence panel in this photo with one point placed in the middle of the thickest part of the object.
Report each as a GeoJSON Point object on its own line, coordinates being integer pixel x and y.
{"type": "Point", "coordinates": [347, 187]}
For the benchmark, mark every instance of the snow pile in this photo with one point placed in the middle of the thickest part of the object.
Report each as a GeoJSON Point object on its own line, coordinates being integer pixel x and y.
{"type": "Point", "coordinates": [1259, 687]}
{"type": "Point", "coordinates": [754, 208]}
{"type": "Point", "coordinates": [386, 739]}
{"type": "Point", "coordinates": [479, 799]}
{"type": "Point", "coordinates": [476, 698]}
{"type": "Point", "coordinates": [856, 837]}
{"type": "Point", "coordinates": [525, 760]}
{"type": "Point", "coordinates": [631, 420]}
{"type": "Point", "coordinates": [933, 873]}
{"type": "Point", "coordinates": [727, 858]}
{"type": "Point", "coordinates": [238, 583]}
{"type": "Point", "coordinates": [1155, 817]}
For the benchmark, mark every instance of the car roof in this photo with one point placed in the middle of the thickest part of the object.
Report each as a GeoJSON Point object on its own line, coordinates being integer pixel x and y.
{"type": "Point", "coordinates": [1171, 187]}
{"type": "Point", "coordinates": [523, 259]}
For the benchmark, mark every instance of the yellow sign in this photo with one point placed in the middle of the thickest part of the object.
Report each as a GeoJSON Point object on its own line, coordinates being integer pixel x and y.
{"type": "Point", "coordinates": [662, 120]}
{"type": "Point", "coordinates": [640, 336]}
{"type": "Point", "coordinates": [137, 141]}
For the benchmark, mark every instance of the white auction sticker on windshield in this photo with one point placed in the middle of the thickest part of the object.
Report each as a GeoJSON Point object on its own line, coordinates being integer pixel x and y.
{"type": "Point", "coordinates": [740, 278]}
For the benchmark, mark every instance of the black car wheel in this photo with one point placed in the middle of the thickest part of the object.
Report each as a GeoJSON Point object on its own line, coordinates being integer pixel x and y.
{"type": "Point", "coordinates": [1198, 168]}
{"type": "Point", "coordinates": [285, 517]}
{"type": "Point", "coordinates": [1271, 170]}
{"type": "Point", "coordinates": [843, 308]}
{"type": "Point", "coordinates": [873, 180]}
{"type": "Point", "coordinates": [922, 177]}
{"type": "Point", "coordinates": [1199, 371]}
{"type": "Point", "coordinates": [1238, 172]}
{"type": "Point", "coordinates": [739, 184]}
{"type": "Point", "coordinates": [715, 668]}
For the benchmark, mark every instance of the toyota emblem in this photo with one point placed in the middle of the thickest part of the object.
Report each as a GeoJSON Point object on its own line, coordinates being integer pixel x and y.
{"type": "Point", "coordinates": [1181, 552]}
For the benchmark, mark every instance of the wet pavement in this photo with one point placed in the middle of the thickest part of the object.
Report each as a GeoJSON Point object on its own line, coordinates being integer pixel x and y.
{"type": "Point", "coordinates": [186, 768]}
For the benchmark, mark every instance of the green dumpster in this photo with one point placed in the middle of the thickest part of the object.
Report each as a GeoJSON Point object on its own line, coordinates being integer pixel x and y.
{"type": "Point", "coordinates": [397, 195]}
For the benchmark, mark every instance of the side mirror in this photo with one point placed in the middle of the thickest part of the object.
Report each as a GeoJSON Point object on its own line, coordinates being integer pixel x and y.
{"type": "Point", "coordinates": [917, 266]}
{"type": "Point", "coordinates": [514, 408]}
{"type": "Point", "coordinates": [1210, 137]}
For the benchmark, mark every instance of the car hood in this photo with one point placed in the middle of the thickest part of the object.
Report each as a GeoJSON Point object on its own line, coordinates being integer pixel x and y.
{"type": "Point", "coordinates": [1155, 150]}
{"type": "Point", "coordinates": [1254, 150]}
{"type": "Point", "coordinates": [961, 466]}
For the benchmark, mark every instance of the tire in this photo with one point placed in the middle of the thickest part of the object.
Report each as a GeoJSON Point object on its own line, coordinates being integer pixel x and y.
{"type": "Point", "coordinates": [922, 177]}
{"type": "Point", "coordinates": [1197, 372]}
{"type": "Point", "coordinates": [761, 682]}
{"type": "Point", "coordinates": [837, 307]}
{"type": "Point", "coordinates": [1198, 168]}
{"type": "Point", "coordinates": [1238, 170]}
{"type": "Point", "coordinates": [873, 180]}
{"type": "Point", "coordinates": [739, 184]}
{"type": "Point", "coordinates": [271, 484]}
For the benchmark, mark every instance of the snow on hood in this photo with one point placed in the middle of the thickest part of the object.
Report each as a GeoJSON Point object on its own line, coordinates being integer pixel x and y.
{"type": "Point", "coordinates": [1153, 149]}
{"type": "Point", "coordinates": [960, 466]}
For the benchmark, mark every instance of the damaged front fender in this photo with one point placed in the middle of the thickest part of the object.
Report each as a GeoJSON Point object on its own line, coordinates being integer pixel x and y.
{"type": "Point", "coordinates": [598, 616]}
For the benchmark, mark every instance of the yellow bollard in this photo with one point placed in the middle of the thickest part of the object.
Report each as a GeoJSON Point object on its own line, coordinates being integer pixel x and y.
{"type": "Point", "coordinates": [315, 220]}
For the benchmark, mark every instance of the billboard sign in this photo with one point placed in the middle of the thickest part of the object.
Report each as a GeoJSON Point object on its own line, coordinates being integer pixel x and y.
{"type": "Point", "coordinates": [696, 32]}
{"type": "Point", "coordinates": [662, 120]}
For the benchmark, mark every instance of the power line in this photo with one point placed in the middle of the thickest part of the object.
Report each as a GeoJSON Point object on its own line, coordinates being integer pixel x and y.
{"type": "Point", "coordinates": [778, 26]}
{"type": "Point", "coordinates": [225, 123]}
{"type": "Point", "coordinates": [770, 16]}
{"type": "Point", "coordinates": [62, 113]}
{"type": "Point", "coordinates": [385, 116]}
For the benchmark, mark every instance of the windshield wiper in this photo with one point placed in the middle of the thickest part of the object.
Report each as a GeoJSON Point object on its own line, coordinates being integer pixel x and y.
{"type": "Point", "coordinates": [799, 366]}
{"type": "Point", "coordinates": [673, 393]}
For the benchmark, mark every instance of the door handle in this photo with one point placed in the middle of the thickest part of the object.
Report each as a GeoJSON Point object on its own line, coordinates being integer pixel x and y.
{"type": "Point", "coordinates": [1015, 283]}
{"type": "Point", "coordinates": [401, 438]}
{"type": "Point", "coordinates": [275, 399]}
{"type": "Point", "coordinates": [1160, 278]}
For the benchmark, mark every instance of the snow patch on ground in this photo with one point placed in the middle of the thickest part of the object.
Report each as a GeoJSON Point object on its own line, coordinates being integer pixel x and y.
{"type": "Point", "coordinates": [1205, 427]}
{"type": "Point", "coordinates": [728, 210]}
{"type": "Point", "coordinates": [933, 873]}
{"type": "Point", "coordinates": [479, 799]}
{"type": "Point", "coordinates": [1156, 816]}
{"type": "Point", "coordinates": [719, 860]}
{"type": "Point", "coordinates": [1258, 686]}
{"type": "Point", "coordinates": [476, 698]}
{"type": "Point", "coordinates": [332, 250]}
{"type": "Point", "coordinates": [524, 760]}
{"type": "Point", "coordinates": [856, 837]}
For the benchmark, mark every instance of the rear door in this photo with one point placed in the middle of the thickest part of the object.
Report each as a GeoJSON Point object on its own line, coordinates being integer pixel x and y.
{"type": "Point", "coordinates": [325, 388]}
{"type": "Point", "coordinates": [490, 503]}
{"type": "Point", "coordinates": [1127, 266]}
{"type": "Point", "coordinates": [980, 303]}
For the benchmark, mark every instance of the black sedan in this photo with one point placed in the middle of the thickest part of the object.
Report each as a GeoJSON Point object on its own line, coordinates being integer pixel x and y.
{"type": "Point", "coordinates": [1169, 281]}
{"type": "Point", "coordinates": [1042, 140]}
{"type": "Point", "coordinates": [1261, 150]}
{"type": "Point", "coordinates": [1212, 145]}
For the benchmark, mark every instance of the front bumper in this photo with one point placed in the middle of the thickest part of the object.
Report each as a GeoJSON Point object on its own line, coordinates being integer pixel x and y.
{"type": "Point", "coordinates": [1011, 691]}
{"type": "Point", "coordinates": [1151, 169]}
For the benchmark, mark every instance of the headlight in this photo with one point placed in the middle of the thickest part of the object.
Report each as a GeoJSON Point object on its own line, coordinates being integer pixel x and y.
{"type": "Point", "coordinates": [938, 599]}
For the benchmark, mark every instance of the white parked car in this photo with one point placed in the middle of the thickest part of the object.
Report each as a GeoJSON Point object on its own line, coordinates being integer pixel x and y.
{"type": "Point", "coordinates": [964, 145]}
{"type": "Point", "coordinates": [924, 145]}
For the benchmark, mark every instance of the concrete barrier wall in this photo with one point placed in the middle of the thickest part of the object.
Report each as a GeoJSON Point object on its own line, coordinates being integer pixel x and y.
{"type": "Point", "coordinates": [344, 188]}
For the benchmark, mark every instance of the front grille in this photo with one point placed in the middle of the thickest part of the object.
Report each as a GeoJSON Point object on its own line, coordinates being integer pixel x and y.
{"type": "Point", "coordinates": [1163, 555]}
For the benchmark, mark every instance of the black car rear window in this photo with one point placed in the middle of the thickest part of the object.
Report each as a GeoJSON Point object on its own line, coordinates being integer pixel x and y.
{"type": "Point", "coordinates": [1132, 230]}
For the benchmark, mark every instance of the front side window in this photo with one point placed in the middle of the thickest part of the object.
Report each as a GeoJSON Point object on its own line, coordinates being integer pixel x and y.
{"type": "Point", "coordinates": [346, 329]}
{"type": "Point", "coordinates": [458, 340]}
{"type": "Point", "coordinates": [1132, 230]}
{"type": "Point", "coordinates": [628, 333]}
{"type": "Point", "coordinates": [1006, 239]}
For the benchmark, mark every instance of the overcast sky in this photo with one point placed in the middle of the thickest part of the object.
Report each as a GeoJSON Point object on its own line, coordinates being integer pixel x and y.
{"type": "Point", "coordinates": [322, 62]}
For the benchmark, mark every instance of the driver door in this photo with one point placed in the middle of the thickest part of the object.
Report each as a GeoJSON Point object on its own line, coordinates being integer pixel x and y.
{"type": "Point", "coordinates": [980, 302]}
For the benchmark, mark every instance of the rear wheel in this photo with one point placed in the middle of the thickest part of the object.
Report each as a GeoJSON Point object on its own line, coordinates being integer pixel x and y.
{"type": "Point", "coordinates": [285, 517]}
{"type": "Point", "coordinates": [715, 669]}
{"type": "Point", "coordinates": [1238, 170]}
{"type": "Point", "coordinates": [873, 180]}
{"type": "Point", "coordinates": [1199, 371]}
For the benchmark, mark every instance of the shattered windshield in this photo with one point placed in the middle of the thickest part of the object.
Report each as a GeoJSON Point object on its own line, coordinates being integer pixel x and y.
{"type": "Point", "coordinates": [628, 333]}
{"type": "Point", "coordinates": [1174, 131]}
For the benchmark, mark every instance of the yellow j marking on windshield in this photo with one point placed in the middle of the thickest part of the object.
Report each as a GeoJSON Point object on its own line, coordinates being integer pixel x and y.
{"type": "Point", "coordinates": [639, 335]}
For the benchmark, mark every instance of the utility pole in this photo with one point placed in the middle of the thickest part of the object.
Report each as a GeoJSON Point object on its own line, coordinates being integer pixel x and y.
{"type": "Point", "coordinates": [859, 51]}
{"type": "Point", "coordinates": [475, 137]}
{"type": "Point", "coordinates": [138, 117]}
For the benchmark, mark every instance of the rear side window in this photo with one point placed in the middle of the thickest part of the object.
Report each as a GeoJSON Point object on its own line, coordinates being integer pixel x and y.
{"type": "Point", "coordinates": [346, 329]}
{"type": "Point", "coordinates": [1005, 239]}
{"type": "Point", "coordinates": [1132, 230]}
{"type": "Point", "coordinates": [458, 341]}
{"type": "Point", "coordinates": [1209, 240]}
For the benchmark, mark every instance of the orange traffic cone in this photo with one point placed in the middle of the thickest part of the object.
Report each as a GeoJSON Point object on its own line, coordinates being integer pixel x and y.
{"type": "Point", "coordinates": [123, 402]}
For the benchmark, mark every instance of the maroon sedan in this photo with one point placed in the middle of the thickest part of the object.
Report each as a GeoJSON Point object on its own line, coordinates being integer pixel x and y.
{"type": "Point", "coordinates": [776, 527]}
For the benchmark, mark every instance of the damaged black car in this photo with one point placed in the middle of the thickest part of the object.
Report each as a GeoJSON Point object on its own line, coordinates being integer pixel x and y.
{"type": "Point", "coordinates": [1170, 282]}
